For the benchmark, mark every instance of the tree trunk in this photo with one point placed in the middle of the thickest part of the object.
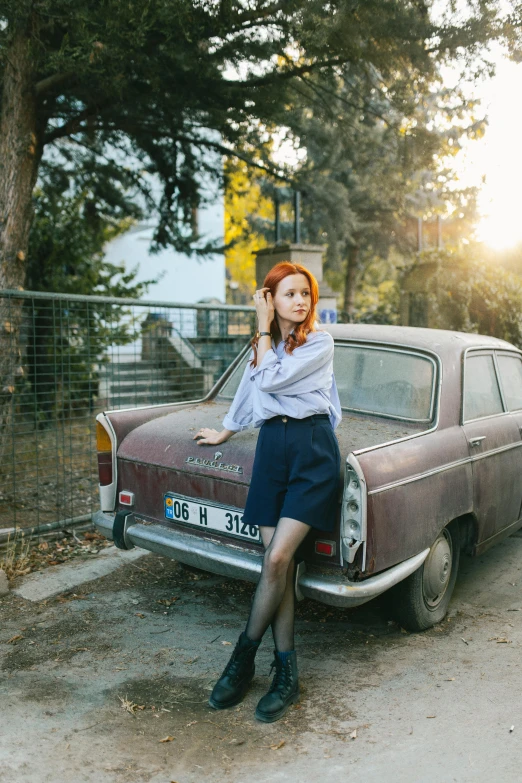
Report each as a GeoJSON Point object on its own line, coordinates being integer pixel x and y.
{"type": "Point", "coordinates": [349, 282]}
{"type": "Point", "coordinates": [20, 154]}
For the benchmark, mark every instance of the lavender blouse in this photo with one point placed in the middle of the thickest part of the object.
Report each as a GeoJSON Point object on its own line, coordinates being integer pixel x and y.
{"type": "Point", "coordinates": [298, 385]}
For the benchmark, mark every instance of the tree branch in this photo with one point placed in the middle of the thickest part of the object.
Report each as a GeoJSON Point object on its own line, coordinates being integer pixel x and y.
{"type": "Point", "coordinates": [235, 154]}
{"type": "Point", "coordinates": [72, 125]}
{"type": "Point", "coordinates": [274, 76]}
{"type": "Point", "coordinates": [50, 82]}
{"type": "Point", "coordinates": [197, 142]}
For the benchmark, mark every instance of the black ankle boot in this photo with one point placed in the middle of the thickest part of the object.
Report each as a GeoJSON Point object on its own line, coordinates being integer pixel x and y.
{"type": "Point", "coordinates": [239, 672]}
{"type": "Point", "coordinates": [283, 692]}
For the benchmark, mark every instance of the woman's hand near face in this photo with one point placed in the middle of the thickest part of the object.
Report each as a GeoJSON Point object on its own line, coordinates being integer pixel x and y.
{"type": "Point", "coordinates": [210, 437]}
{"type": "Point", "coordinates": [264, 308]}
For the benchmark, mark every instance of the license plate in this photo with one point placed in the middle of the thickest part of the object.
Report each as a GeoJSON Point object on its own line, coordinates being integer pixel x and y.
{"type": "Point", "coordinates": [209, 516]}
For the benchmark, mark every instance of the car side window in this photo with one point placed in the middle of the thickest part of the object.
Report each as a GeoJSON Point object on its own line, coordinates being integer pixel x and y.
{"type": "Point", "coordinates": [481, 392]}
{"type": "Point", "coordinates": [510, 369]}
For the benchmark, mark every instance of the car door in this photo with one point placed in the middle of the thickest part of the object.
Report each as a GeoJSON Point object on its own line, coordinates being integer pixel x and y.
{"type": "Point", "coordinates": [494, 447]}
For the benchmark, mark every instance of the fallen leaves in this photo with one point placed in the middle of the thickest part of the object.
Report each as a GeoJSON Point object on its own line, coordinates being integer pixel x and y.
{"type": "Point", "coordinates": [499, 640]}
{"type": "Point", "coordinates": [168, 738]}
{"type": "Point", "coordinates": [278, 746]}
{"type": "Point", "coordinates": [15, 638]}
{"type": "Point", "coordinates": [226, 643]}
{"type": "Point", "coordinates": [168, 601]}
{"type": "Point", "coordinates": [130, 706]}
{"type": "Point", "coordinates": [24, 556]}
{"type": "Point", "coordinates": [353, 735]}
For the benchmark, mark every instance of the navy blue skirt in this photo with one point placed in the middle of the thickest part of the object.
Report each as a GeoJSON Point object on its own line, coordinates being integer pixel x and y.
{"type": "Point", "coordinates": [295, 473]}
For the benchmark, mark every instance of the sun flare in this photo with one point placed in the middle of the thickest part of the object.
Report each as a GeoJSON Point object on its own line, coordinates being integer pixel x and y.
{"type": "Point", "coordinates": [498, 159]}
{"type": "Point", "coordinates": [499, 229]}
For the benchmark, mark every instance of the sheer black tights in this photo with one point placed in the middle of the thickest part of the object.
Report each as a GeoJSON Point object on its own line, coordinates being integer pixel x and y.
{"type": "Point", "coordinates": [274, 597]}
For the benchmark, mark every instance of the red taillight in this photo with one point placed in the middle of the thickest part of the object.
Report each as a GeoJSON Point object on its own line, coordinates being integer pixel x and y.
{"type": "Point", "coordinates": [127, 498]}
{"type": "Point", "coordinates": [325, 548]}
{"type": "Point", "coordinates": [105, 469]}
{"type": "Point", "coordinates": [104, 449]}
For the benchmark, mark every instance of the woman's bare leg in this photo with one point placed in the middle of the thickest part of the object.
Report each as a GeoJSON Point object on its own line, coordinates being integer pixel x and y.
{"type": "Point", "coordinates": [274, 596]}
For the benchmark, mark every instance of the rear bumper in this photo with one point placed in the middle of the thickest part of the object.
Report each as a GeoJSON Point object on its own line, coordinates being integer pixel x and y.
{"type": "Point", "coordinates": [230, 560]}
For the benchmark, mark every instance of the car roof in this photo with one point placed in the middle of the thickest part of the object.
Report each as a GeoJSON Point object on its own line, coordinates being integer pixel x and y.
{"type": "Point", "coordinates": [434, 340]}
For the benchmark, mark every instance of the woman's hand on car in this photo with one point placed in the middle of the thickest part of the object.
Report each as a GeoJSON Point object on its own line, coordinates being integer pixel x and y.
{"type": "Point", "coordinates": [209, 437]}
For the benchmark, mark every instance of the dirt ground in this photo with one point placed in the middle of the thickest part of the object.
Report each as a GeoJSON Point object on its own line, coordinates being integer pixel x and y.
{"type": "Point", "coordinates": [110, 683]}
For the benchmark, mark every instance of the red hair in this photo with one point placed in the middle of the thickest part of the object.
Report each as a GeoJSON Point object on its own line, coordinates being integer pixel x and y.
{"type": "Point", "coordinates": [300, 332]}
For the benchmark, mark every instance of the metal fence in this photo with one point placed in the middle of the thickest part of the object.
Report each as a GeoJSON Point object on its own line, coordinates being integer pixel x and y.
{"type": "Point", "coordinates": [74, 356]}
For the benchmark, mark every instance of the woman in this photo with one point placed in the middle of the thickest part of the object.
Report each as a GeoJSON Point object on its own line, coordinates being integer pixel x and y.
{"type": "Point", "coordinates": [288, 389]}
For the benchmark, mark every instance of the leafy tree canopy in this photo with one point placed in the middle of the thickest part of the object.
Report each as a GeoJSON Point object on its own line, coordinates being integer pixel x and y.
{"type": "Point", "coordinates": [164, 83]}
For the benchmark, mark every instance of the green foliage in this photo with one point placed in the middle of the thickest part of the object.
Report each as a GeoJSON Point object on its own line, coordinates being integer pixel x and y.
{"type": "Point", "coordinates": [172, 85]}
{"type": "Point", "coordinates": [469, 294]}
{"type": "Point", "coordinates": [68, 339]}
{"type": "Point", "coordinates": [378, 295]}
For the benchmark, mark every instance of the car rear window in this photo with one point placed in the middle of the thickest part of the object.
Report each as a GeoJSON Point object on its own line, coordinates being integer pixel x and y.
{"type": "Point", "coordinates": [386, 382]}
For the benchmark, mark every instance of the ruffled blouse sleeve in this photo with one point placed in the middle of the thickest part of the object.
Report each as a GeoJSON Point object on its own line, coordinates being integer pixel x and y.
{"type": "Point", "coordinates": [299, 372]}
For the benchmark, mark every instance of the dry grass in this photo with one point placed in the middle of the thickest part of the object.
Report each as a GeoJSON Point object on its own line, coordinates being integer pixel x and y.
{"type": "Point", "coordinates": [23, 555]}
{"type": "Point", "coordinates": [15, 561]}
{"type": "Point", "coordinates": [49, 474]}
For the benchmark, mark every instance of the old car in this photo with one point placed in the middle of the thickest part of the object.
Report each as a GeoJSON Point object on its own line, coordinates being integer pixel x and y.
{"type": "Point", "coordinates": [432, 459]}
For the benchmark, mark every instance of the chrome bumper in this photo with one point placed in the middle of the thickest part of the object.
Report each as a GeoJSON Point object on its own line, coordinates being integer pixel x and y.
{"type": "Point", "coordinates": [230, 560]}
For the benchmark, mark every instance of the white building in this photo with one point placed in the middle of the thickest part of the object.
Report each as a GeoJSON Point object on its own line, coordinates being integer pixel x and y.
{"type": "Point", "coordinates": [180, 278]}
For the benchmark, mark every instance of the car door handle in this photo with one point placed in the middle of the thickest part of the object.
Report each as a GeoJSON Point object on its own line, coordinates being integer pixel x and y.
{"type": "Point", "coordinates": [477, 441]}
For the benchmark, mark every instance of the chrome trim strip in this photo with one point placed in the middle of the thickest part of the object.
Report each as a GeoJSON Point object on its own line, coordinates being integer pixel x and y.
{"type": "Point", "coordinates": [334, 592]}
{"type": "Point", "coordinates": [231, 561]}
{"type": "Point", "coordinates": [151, 407]}
{"type": "Point", "coordinates": [104, 523]}
{"type": "Point", "coordinates": [410, 479]}
{"type": "Point", "coordinates": [499, 382]}
{"type": "Point", "coordinates": [443, 468]}
{"type": "Point", "coordinates": [498, 450]}
{"type": "Point", "coordinates": [485, 418]}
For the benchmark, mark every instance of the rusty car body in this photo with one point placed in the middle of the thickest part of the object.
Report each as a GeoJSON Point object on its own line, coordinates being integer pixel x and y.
{"type": "Point", "coordinates": [432, 459]}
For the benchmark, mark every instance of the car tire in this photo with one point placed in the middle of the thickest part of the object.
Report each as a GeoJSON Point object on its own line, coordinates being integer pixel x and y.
{"type": "Point", "coordinates": [421, 600]}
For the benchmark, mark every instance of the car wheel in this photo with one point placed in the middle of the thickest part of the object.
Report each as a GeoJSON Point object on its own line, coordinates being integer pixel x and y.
{"type": "Point", "coordinates": [421, 600]}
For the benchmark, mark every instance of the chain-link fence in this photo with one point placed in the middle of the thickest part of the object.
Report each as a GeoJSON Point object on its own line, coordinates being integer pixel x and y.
{"type": "Point", "coordinates": [65, 358]}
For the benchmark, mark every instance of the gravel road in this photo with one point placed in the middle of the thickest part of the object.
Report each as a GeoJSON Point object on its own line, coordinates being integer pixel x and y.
{"type": "Point", "coordinates": [109, 683]}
